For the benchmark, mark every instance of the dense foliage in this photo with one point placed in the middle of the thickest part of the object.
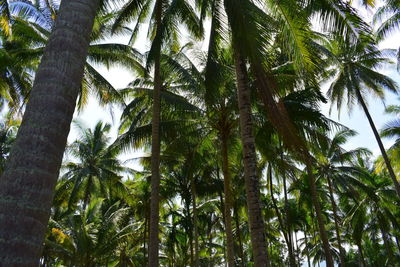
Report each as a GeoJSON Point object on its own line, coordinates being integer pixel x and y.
{"type": "Point", "coordinates": [240, 167]}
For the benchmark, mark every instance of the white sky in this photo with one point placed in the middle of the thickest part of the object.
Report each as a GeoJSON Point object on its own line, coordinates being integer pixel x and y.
{"type": "Point", "coordinates": [356, 120]}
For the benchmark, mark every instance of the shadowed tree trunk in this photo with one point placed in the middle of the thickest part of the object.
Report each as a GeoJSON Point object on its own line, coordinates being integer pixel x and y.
{"type": "Point", "coordinates": [292, 260]}
{"type": "Point", "coordinates": [318, 212]}
{"type": "Point", "coordinates": [379, 141]}
{"type": "Point", "coordinates": [256, 221]}
{"type": "Point", "coordinates": [306, 247]}
{"type": "Point", "coordinates": [360, 250]}
{"type": "Point", "coordinates": [27, 184]}
{"type": "Point", "coordinates": [336, 218]}
{"type": "Point", "coordinates": [228, 201]}
{"type": "Point", "coordinates": [239, 236]}
{"type": "Point", "coordinates": [155, 146]}
{"type": "Point", "coordinates": [195, 228]}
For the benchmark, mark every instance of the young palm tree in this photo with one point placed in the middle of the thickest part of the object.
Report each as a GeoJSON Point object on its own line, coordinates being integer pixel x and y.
{"type": "Point", "coordinates": [26, 196]}
{"type": "Point", "coordinates": [355, 75]}
{"type": "Point", "coordinates": [99, 234]}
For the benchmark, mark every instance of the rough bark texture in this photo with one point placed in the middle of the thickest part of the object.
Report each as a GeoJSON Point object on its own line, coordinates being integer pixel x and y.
{"type": "Point", "coordinates": [154, 240]}
{"type": "Point", "coordinates": [256, 220]}
{"type": "Point", "coordinates": [336, 218]}
{"type": "Point", "coordinates": [380, 144]}
{"type": "Point", "coordinates": [27, 184]}
{"type": "Point", "coordinates": [228, 202]}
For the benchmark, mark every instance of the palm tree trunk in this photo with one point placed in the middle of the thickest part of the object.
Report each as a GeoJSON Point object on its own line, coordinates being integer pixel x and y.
{"type": "Point", "coordinates": [256, 221]}
{"type": "Point", "coordinates": [318, 212]}
{"type": "Point", "coordinates": [306, 247]}
{"type": "Point", "coordinates": [27, 184]}
{"type": "Point", "coordinates": [360, 250]}
{"type": "Point", "coordinates": [388, 247]}
{"type": "Point", "coordinates": [145, 237]}
{"type": "Point", "coordinates": [210, 252]}
{"type": "Point", "coordinates": [292, 260]}
{"type": "Point", "coordinates": [336, 218]}
{"type": "Point", "coordinates": [155, 147]}
{"type": "Point", "coordinates": [228, 202]}
{"type": "Point", "coordinates": [239, 236]}
{"type": "Point", "coordinates": [282, 122]}
{"type": "Point", "coordinates": [195, 228]}
{"type": "Point", "coordinates": [379, 141]}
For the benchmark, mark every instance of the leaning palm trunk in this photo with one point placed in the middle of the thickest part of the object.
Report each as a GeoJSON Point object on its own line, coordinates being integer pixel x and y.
{"type": "Point", "coordinates": [280, 119]}
{"type": "Point", "coordinates": [379, 141]}
{"type": "Point", "coordinates": [256, 221]}
{"type": "Point", "coordinates": [155, 149]}
{"type": "Point", "coordinates": [228, 202]}
{"type": "Point", "coordinates": [27, 184]}
{"type": "Point", "coordinates": [342, 255]}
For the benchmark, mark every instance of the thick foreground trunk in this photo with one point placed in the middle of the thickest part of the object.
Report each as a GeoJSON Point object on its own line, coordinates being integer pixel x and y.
{"type": "Point", "coordinates": [27, 184]}
{"type": "Point", "coordinates": [380, 144]}
{"type": "Point", "coordinates": [256, 221]}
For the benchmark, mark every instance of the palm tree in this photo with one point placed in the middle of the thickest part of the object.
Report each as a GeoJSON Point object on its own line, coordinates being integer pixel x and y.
{"type": "Point", "coordinates": [163, 27]}
{"type": "Point", "coordinates": [99, 234]}
{"type": "Point", "coordinates": [32, 26]}
{"type": "Point", "coordinates": [94, 171]}
{"type": "Point", "coordinates": [355, 75]}
{"type": "Point", "coordinates": [5, 18]}
{"type": "Point", "coordinates": [7, 137]}
{"type": "Point", "coordinates": [15, 75]}
{"type": "Point", "coordinates": [26, 197]}
{"type": "Point", "coordinates": [335, 165]}
{"type": "Point", "coordinates": [373, 207]}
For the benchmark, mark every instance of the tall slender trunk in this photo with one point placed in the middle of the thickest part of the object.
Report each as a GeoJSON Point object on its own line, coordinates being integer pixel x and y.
{"type": "Point", "coordinates": [210, 251]}
{"type": "Point", "coordinates": [195, 228]}
{"type": "Point", "coordinates": [239, 237]}
{"type": "Point", "coordinates": [155, 147]}
{"type": "Point", "coordinates": [388, 247]}
{"type": "Point", "coordinates": [306, 247]}
{"type": "Point", "coordinates": [397, 243]}
{"type": "Point", "coordinates": [145, 238]}
{"type": "Point", "coordinates": [360, 250]}
{"type": "Point", "coordinates": [318, 212]}
{"type": "Point", "coordinates": [256, 221]}
{"type": "Point", "coordinates": [285, 127]}
{"type": "Point", "coordinates": [297, 248]}
{"type": "Point", "coordinates": [342, 255]}
{"type": "Point", "coordinates": [379, 141]}
{"type": "Point", "coordinates": [228, 201]}
{"type": "Point", "coordinates": [27, 184]}
{"type": "Point", "coordinates": [292, 260]}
